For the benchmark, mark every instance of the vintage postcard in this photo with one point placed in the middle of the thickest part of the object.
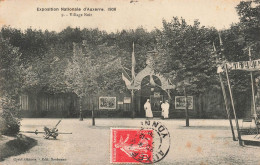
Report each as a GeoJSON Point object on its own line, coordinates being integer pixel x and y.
{"type": "Point", "coordinates": [100, 82]}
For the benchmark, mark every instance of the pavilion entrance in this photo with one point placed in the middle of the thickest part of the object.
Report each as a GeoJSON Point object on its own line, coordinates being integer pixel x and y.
{"type": "Point", "coordinates": [153, 92]}
{"type": "Point", "coordinates": [148, 84]}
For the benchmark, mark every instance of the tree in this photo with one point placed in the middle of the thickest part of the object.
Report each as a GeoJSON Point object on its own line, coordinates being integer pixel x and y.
{"type": "Point", "coordinates": [93, 70]}
{"type": "Point", "coordinates": [185, 56]}
{"type": "Point", "coordinates": [10, 87]}
{"type": "Point", "coordinates": [249, 15]}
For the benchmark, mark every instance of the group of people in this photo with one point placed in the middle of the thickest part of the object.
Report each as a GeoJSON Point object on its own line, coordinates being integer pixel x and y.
{"type": "Point", "coordinates": [164, 107]}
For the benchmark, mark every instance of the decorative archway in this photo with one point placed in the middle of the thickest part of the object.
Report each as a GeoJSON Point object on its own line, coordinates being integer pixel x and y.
{"type": "Point", "coordinates": [138, 85]}
{"type": "Point", "coordinates": [148, 71]}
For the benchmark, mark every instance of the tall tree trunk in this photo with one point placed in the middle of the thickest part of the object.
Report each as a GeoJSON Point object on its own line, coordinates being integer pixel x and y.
{"type": "Point", "coordinates": [80, 109]}
{"type": "Point", "coordinates": [93, 115]}
{"type": "Point", "coordinates": [186, 109]}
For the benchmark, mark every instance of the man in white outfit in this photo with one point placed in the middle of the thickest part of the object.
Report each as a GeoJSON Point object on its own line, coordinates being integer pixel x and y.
{"type": "Point", "coordinates": [147, 108]}
{"type": "Point", "coordinates": [165, 109]}
{"type": "Point", "coordinates": [161, 108]}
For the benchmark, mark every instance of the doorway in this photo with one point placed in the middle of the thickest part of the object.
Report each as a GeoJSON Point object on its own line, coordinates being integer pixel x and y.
{"type": "Point", "coordinates": [156, 104]}
{"type": "Point", "coordinates": [152, 92]}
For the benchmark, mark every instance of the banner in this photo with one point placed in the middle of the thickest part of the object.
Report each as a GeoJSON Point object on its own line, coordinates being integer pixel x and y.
{"type": "Point", "coordinates": [253, 65]}
{"type": "Point", "coordinates": [127, 81]}
{"type": "Point", "coordinates": [127, 100]}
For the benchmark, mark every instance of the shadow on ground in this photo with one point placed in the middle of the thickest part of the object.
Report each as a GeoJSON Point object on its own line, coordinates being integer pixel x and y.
{"type": "Point", "coordinates": [16, 146]}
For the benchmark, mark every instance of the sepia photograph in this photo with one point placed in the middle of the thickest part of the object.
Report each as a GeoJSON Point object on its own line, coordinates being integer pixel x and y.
{"type": "Point", "coordinates": [97, 82]}
{"type": "Point", "coordinates": [107, 102]}
{"type": "Point", "coordinates": [180, 102]}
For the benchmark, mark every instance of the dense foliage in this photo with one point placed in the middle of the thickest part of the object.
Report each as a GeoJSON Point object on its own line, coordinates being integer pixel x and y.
{"type": "Point", "coordinates": [10, 86]}
{"type": "Point", "coordinates": [185, 55]}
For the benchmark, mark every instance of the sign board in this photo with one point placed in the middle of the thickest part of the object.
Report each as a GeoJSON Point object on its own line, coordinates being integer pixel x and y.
{"type": "Point", "coordinates": [127, 100]}
{"type": "Point", "coordinates": [107, 102]}
{"type": "Point", "coordinates": [241, 65]}
{"type": "Point", "coordinates": [156, 94]}
{"type": "Point", "coordinates": [120, 102]}
{"type": "Point", "coordinates": [180, 102]}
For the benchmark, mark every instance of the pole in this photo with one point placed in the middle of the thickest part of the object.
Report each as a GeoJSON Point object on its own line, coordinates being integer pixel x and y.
{"type": "Point", "coordinates": [233, 107]}
{"type": "Point", "coordinates": [227, 107]}
{"type": "Point", "coordinates": [80, 109]}
{"type": "Point", "coordinates": [93, 115]}
{"type": "Point", "coordinates": [186, 109]}
{"type": "Point", "coordinates": [169, 94]}
{"type": "Point", "coordinates": [132, 97]}
{"type": "Point", "coordinates": [254, 104]}
{"type": "Point", "coordinates": [253, 91]}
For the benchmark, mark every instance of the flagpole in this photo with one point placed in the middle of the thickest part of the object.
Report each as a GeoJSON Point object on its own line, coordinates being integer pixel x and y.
{"type": "Point", "coordinates": [133, 62]}
{"type": "Point", "coordinates": [233, 107]}
{"type": "Point", "coordinates": [252, 82]}
{"type": "Point", "coordinates": [133, 78]}
{"type": "Point", "coordinates": [253, 91]}
{"type": "Point", "coordinates": [227, 108]}
{"type": "Point", "coordinates": [132, 97]}
{"type": "Point", "coordinates": [225, 95]}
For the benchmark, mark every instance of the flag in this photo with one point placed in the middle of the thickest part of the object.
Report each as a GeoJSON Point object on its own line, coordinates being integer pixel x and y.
{"type": "Point", "coordinates": [221, 43]}
{"type": "Point", "coordinates": [133, 62]}
{"type": "Point", "coordinates": [125, 73]}
{"type": "Point", "coordinates": [127, 81]}
{"type": "Point", "coordinates": [249, 52]}
{"type": "Point", "coordinates": [220, 68]}
{"type": "Point", "coordinates": [152, 81]}
{"type": "Point", "coordinates": [126, 77]}
{"type": "Point", "coordinates": [220, 40]}
{"type": "Point", "coordinates": [214, 48]}
{"type": "Point", "coordinates": [215, 53]}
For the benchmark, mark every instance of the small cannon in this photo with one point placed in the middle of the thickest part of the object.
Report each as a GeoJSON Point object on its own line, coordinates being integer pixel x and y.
{"type": "Point", "coordinates": [48, 132]}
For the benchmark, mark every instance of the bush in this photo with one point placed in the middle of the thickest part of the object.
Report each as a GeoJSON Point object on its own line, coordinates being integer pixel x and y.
{"type": "Point", "coordinates": [9, 125]}
{"type": "Point", "coordinates": [9, 121]}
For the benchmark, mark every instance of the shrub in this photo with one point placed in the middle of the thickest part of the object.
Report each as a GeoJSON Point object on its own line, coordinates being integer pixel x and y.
{"type": "Point", "coordinates": [9, 121]}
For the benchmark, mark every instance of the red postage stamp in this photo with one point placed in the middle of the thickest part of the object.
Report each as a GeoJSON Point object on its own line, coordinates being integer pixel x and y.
{"type": "Point", "coordinates": [131, 145]}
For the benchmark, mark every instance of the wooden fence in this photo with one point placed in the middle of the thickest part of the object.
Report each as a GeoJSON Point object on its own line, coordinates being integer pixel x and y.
{"type": "Point", "coordinates": [207, 105]}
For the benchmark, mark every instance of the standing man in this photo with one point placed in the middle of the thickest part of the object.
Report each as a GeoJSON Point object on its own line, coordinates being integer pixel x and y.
{"type": "Point", "coordinates": [161, 108]}
{"type": "Point", "coordinates": [148, 110]}
{"type": "Point", "coordinates": [165, 109]}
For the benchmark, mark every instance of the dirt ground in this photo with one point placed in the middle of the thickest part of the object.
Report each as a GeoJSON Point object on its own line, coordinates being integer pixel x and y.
{"type": "Point", "coordinates": [204, 142]}
{"type": "Point", "coordinates": [11, 146]}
